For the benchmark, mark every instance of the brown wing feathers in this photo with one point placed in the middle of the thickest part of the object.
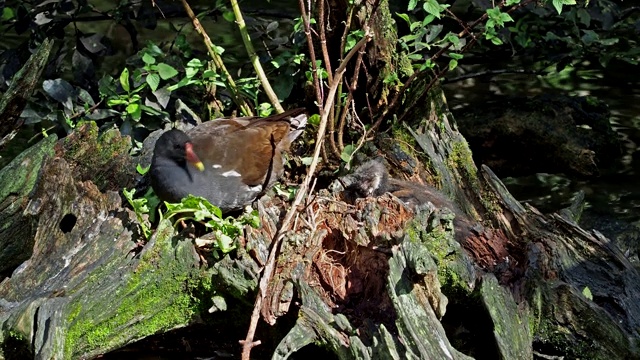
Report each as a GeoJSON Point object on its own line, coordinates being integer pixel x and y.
{"type": "Point", "coordinates": [246, 145]}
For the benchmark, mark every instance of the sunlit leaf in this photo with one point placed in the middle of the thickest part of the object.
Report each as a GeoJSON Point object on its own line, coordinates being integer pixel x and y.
{"type": "Point", "coordinates": [166, 71]}
{"type": "Point", "coordinates": [453, 63]}
{"type": "Point", "coordinates": [148, 59]}
{"type": "Point", "coordinates": [432, 7]}
{"type": "Point", "coordinates": [124, 79]}
{"type": "Point", "coordinates": [347, 153]}
{"type": "Point", "coordinates": [153, 80]}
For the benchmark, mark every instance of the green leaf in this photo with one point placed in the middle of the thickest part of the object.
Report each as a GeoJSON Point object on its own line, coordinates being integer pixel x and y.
{"type": "Point", "coordinates": [153, 80]}
{"type": "Point", "coordinates": [224, 242]}
{"type": "Point", "coordinates": [142, 170]}
{"type": "Point", "coordinates": [347, 153]}
{"type": "Point", "coordinates": [433, 8]}
{"type": "Point", "coordinates": [209, 74]}
{"type": "Point", "coordinates": [512, 2]}
{"type": "Point", "coordinates": [584, 17]}
{"type": "Point", "coordinates": [225, 230]}
{"type": "Point", "coordinates": [124, 79]}
{"type": "Point", "coordinates": [609, 42]}
{"type": "Point", "coordinates": [314, 120]}
{"type": "Point", "coordinates": [289, 193]}
{"type": "Point", "coordinates": [191, 72]}
{"type": "Point", "coordinates": [252, 218]}
{"type": "Point", "coordinates": [196, 63]}
{"type": "Point", "coordinates": [7, 13]}
{"type": "Point", "coordinates": [134, 110]}
{"type": "Point", "coordinates": [453, 63]}
{"type": "Point", "coordinates": [140, 207]}
{"type": "Point", "coordinates": [153, 49]}
{"type": "Point", "coordinates": [558, 4]}
{"type": "Point", "coordinates": [218, 49]}
{"type": "Point", "coordinates": [587, 293]}
{"type": "Point", "coordinates": [428, 19]}
{"type": "Point", "coordinates": [456, 56]}
{"type": "Point", "coordinates": [306, 160]}
{"type": "Point", "coordinates": [265, 109]}
{"type": "Point", "coordinates": [453, 39]}
{"type": "Point", "coordinates": [412, 5]}
{"type": "Point", "coordinates": [229, 16]}
{"type": "Point", "coordinates": [352, 39]}
{"type": "Point", "coordinates": [116, 102]}
{"type": "Point", "coordinates": [404, 17]}
{"type": "Point", "coordinates": [148, 59]}
{"type": "Point", "coordinates": [505, 18]}
{"type": "Point", "coordinates": [151, 110]}
{"type": "Point", "coordinates": [589, 37]}
{"type": "Point", "coordinates": [166, 71]}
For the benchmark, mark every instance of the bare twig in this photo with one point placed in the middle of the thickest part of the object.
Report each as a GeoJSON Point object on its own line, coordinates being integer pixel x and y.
{"type": "Point", "coordinates": [354, 80]}
{"type": "Point", "coordinates": [462, 24]}
{"type": "Point", "coordinates": [312, 54]}
{"type": "Point", "coordinates": [327, 64]}
{"type": "Point", "coordinates": [248, 343]}
{"type": "Point", "coordinates": [253, 57]}
{"type": "Point", "coordinates": [491, 72]}
{"type": "Point", "coordinates": [323, 41]}
{"type": "Point", "coordinates": [351, 88]}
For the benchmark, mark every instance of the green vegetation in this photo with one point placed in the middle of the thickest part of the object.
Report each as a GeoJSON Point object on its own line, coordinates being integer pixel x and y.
{"type": "Point", "coordinates": [160, 298]}
{"type": "Point", "coordinates": [198, 209]}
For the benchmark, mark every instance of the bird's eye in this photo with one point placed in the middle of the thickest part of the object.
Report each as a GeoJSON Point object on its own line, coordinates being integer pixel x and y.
{"type": "Point", "coordinates": [177, 146]}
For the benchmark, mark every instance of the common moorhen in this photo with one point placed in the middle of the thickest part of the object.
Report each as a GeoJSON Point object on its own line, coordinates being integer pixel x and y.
{"type": "Point", "coordinates": [229, 162]}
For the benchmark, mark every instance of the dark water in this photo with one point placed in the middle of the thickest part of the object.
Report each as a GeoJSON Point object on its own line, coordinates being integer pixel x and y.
{"type": "Point", "coordinates": [614, 196]}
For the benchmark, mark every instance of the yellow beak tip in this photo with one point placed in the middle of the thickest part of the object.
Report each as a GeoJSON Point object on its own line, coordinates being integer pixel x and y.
{"type": "Point", "coordinates": [199, 165]}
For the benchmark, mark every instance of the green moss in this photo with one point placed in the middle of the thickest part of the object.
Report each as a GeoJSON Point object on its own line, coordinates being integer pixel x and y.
{"type": "Point", "coordinates": [16, 335]}
{"type": "Point", "coordinates": [19, 176]}
{"type": "Point", "coordinates": [15, 345]}
{"type": "Point", "coordinates": [405, 140]}
{"type": "Point", "coordinates": [461, 158]}
{"type": "Point", "coordinates": [405, 68]}
{"type": "Point", "coordinates": [413, 235]}
{"type": "Point", "coordinates": [91, 153]}
{"type": "Point", "coordinates": [441, 245]}
{"type": "Point", "coordinates": [156, 297]}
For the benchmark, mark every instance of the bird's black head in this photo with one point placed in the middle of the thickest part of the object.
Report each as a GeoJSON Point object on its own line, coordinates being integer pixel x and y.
{"type": "Point", "coordinates": [172, 145]}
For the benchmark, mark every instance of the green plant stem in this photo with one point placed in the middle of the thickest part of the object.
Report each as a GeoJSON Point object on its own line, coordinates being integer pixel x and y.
{"type": "Point", "coordinates": [253, 57]}
{"type": "Point", "coordinates": [217, 60]}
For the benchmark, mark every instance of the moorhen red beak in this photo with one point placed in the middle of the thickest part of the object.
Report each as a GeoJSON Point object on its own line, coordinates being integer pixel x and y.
{"type": "Point", "coordinates": [229, 162]}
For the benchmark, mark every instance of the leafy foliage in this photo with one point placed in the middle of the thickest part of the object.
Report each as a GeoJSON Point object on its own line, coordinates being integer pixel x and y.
{"type": "Point", "coordinates": [198, 209]}
{"type": "Point", "coordinates": [141, 209]}
{"type": "Point", "coordinates": [226, 230]}
{"type": "Point", "coordinates": [558, 32]}
{"type": "Point", "coordinates": [142, 93]}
